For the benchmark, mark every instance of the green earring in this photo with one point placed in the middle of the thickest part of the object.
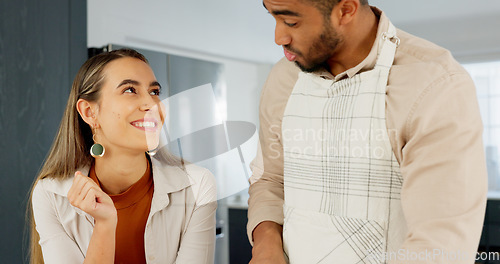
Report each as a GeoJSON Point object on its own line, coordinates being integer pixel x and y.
{"type": "Point", "coordinates": [152, 152]}
{"type": "Point", "coordinates": [97, 150]}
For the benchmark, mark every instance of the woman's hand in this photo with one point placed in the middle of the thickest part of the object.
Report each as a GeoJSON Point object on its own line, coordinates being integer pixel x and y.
{"type": "Point", "coordinates": [88, 196]}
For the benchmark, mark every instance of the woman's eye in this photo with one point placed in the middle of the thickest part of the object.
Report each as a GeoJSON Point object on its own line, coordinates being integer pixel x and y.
{"type": "Point", "coordinates": [155, 92]}
{"type": "Point", "coordinates": [129, 90]}
{"type": "Point", "coordinates": [290, 24]}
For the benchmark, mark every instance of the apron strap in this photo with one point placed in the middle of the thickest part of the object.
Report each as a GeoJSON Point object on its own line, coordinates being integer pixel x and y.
{"type": "Point", "coordinates": [389, 42]}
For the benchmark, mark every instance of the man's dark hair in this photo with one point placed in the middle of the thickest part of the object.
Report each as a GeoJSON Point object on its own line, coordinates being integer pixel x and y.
{"type": "Point", "coordinates": [326, 6]}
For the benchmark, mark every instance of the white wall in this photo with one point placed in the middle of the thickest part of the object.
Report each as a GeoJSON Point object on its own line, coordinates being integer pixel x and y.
{"type": "Point", "coordinates": [243, 30]}
{"type": "Point", "coordinates": [225, 28]}
{"type": "Point", "coordinates": [469, 29]}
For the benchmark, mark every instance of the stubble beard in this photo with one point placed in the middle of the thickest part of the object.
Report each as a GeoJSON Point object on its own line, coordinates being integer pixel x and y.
{"type": "Point", "coordinates": [322, 49]}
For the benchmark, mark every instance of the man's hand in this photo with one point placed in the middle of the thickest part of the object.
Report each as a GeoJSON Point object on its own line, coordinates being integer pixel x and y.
{"type": "Point", "coordinates": [268, 244]}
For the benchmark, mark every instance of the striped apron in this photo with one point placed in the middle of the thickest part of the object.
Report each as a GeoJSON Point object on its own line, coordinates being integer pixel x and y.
{"type": "Point", "coordinates": [342, 181]}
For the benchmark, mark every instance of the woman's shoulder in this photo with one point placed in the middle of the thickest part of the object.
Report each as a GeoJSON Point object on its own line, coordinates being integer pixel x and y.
{"type": "Point", "coordinates": [203, 183]}
{"type": "Point", "coordinates": [57, 185]}
{"type": "Point", "coordinates": [193, 173]}
{"type": "Point", "coordinates": [175, 178]}
{"type": "Point", "coordinates": [199, 173]}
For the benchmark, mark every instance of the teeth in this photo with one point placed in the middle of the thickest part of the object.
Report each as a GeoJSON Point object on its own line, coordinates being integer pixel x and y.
{"type": "Point", "coordinates": [145, 124]}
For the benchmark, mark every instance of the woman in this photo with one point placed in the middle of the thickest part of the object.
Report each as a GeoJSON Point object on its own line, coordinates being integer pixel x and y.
{"type": "Point", "coordinates": [100, 197]}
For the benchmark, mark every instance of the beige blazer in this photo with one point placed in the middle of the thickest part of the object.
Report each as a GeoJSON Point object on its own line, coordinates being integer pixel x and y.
{"type": "Point", "coordinates": [180, 226]}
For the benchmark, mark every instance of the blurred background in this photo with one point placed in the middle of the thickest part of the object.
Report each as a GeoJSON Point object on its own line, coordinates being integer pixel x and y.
{"type": "Point", "coordinates": [225, 43]}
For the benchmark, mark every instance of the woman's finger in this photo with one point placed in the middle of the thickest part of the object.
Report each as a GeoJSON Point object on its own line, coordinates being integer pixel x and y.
{"type": "Point", "coordinates": [76, 187]}
{"type": "Point", "coordinates": [89, 200]}
{"type": "Point", "coordinates": [88, 196]}
{"type": "Point", "coordinates": [84, 192]}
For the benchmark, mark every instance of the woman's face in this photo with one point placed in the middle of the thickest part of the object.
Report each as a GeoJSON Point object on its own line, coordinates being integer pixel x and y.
{"type": "Point", "coordinates": [129, 112]}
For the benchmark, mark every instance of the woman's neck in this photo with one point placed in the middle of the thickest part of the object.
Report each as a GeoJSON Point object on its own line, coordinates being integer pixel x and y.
{"type": "Point", "coordinates": [117, 172]}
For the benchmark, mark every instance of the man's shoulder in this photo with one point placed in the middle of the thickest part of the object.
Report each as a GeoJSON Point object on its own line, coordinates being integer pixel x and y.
{"type": "Point", "coordinates": [280, 82]}
{"type": "Point", "coordinates": [425, 57]}
{"type": "Point", "coordinates": [284, 74]}
{"type": "Point", "coordinates": [284, 66]}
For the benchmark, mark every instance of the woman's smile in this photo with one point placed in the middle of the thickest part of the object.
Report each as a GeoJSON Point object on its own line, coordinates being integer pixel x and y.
{"type": "Point", "coordinates": [146, 124]}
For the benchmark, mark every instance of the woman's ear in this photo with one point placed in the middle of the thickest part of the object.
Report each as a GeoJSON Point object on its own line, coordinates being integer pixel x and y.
{"type": "Point", "coordinates": [88, 112]}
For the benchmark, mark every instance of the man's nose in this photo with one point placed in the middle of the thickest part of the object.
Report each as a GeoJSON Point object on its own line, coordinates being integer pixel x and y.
{"type": "Point", "coordinates": [281, 35]}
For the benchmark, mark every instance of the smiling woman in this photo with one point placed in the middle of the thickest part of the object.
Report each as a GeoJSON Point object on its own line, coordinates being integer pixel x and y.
{"type": "Point", "coordinates": [114, 206]}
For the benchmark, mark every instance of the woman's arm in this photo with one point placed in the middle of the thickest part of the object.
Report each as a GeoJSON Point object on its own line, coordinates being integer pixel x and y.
{"type": "Point", "coordinates": [198, 242]}
{"type": "Point", "coordinates": [88, 196]}
{"type": "Point", "coordinates": [57, 246]}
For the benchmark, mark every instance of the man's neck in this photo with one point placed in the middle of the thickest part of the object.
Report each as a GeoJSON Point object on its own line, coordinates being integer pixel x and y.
{"type": "Point", "coordinates": [357, 44]}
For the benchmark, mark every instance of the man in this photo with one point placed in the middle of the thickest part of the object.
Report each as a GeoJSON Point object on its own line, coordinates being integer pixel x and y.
{"type": "Point", "coordinates": [370, 144]}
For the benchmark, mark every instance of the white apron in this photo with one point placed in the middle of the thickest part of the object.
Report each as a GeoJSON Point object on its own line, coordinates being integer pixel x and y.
{"type": "Point", "coordinates": [342, 181]}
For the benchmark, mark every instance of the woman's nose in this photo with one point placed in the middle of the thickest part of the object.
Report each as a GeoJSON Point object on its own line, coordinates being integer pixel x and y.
{"type": "Point", "coordinates": [147, 103]}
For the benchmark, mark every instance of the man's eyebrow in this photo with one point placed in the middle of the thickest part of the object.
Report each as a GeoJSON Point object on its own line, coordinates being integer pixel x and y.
{"type": "Point", "coordinates": [285, 13]}
{"type": "Point", "coordinates": [282, 12]}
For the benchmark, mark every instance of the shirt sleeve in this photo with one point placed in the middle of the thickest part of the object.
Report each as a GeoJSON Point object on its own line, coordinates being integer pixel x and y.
{"type": "Point", "coordinates": [57, 246]}
{"type": "Point", "coordinates": [198, 241]}
{"type": "Point", "coordinates": [266, 189]}
{"type": "Point", "coordinates": [444, 170]}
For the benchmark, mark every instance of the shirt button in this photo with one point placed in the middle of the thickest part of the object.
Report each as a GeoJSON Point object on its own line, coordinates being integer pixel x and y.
{"type": "Point", "coordinates": [151, 257]}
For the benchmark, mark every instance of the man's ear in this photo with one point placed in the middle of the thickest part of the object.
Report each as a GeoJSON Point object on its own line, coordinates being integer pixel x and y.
{"type": "Point", "coordinates": [345, 11]}
{"type": "Point", "coordinates": [87, 111]}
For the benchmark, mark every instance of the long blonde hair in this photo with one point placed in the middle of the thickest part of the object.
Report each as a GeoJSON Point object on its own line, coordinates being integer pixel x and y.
{"type": "Point", "coordinates": [71, 147]}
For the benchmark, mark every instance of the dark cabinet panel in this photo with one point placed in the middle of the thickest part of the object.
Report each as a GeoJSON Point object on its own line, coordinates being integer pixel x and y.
{"type": "Point", "coordinates": [42, 45]}
{"type": "Point", "coordinates": [489, 245]}
{"type": "Point", "coordinates": [493, 211]}
{"type": "Point", "coordinates": [185, 73]}
{"type": "Point", "coordinates": [494, 235]}
{"type": "Point", "coordinates": [240, 250]}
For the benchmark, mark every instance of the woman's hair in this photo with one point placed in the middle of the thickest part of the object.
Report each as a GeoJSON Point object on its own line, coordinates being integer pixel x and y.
{"type": "Point", "coordinates": [71, 147]}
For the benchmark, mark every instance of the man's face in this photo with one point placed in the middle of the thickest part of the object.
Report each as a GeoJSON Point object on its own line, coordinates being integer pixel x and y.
{"type": "Point", "coordinates": [307, 37]}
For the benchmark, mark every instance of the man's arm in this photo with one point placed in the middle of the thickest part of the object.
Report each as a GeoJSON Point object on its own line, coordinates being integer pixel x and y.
{"type": "Point", "coordinates": [268, 244]}
{"type": "Point", "coordinates": [444, 170]}
{"type": "Point", "coordinates": [265, 205]}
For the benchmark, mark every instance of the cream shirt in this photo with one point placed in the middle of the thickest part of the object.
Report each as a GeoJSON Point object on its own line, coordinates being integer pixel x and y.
{"type": "Point", "coordinates": [180, 227]}
{"type": "Point", "coordinates": [435, 131]}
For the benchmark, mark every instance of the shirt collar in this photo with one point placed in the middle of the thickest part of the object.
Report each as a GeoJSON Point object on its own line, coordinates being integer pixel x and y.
{"type": "Point", "coordinates": [167, 179]}
{"type": "Point", "coordinates": [369, 62]}
{"type": "Point", "coordinates": [61, 187]}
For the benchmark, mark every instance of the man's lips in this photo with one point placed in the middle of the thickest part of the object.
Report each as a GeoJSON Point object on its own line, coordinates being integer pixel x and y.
{"type": "Point", "coordinates": [290, 56]}
{"type": "Point", "coordinates": [146, 124]}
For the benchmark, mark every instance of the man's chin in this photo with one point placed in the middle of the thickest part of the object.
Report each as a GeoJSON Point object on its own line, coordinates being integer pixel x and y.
{"type": "Point", "coordinates": [309, 68]}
